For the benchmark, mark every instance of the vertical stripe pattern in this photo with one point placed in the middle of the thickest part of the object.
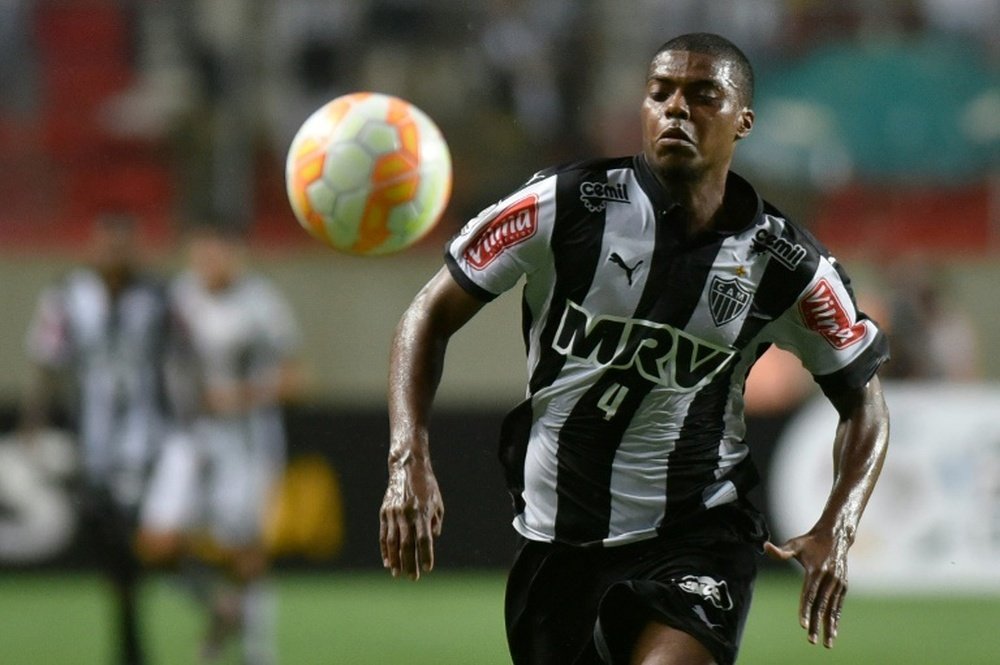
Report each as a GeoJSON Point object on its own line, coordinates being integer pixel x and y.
{"type": "Point", "coordinates": [639, 338]}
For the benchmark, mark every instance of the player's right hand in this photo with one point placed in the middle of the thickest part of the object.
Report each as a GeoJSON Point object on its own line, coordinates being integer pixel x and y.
{"type": "Point", "coordinates": [410, 518]}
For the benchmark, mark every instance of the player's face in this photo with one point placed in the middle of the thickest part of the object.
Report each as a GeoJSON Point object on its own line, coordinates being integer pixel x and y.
{"type": "Point", "coordinates": [113, 246]}
{"type": "Point", "coordinates": [216, 261]}
{"type": "Point", "coordinates": [692, 115]}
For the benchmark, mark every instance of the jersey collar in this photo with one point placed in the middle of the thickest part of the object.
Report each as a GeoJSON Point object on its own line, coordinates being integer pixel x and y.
{"type": "Point", "coordinates": [741, 200]}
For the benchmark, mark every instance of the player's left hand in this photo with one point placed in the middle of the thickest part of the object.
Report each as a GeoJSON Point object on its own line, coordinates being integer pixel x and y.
{"type": "Point", "coordinates": [824, 558]}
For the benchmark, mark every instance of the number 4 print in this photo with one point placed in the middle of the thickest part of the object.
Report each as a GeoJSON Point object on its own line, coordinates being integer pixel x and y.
{"type": "Point", "coordinates": [612, 399]}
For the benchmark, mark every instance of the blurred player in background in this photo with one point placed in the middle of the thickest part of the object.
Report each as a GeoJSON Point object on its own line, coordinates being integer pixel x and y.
{"type": "Point", "coordinates": [653, 283]}
{"type": "Point", "coordinates": [209, 494]}
{"type": "Point", "coordinates": [106, 329]}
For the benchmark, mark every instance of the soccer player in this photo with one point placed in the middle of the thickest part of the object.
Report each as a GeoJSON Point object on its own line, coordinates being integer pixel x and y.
{"type": "Point", "coordinates": [214, 487]}
{"type": "Point", "coordinates": [105, 328]}
{"type": "Point", "coordinates": [652, 283]}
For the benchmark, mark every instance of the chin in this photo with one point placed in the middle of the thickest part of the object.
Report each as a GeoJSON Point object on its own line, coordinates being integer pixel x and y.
{"type": "Point", "coordinates": [673, 169]}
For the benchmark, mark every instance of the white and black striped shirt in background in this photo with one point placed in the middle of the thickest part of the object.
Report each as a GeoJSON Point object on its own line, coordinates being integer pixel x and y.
{"type": "Point", "coordinates": [114, 349]}
{"type": "Point", "coordinates": [639, 341]}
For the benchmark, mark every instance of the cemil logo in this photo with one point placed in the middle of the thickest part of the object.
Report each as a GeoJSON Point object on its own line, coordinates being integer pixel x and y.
{"type": "Point", "coordinates": [514, 224]}
{"type": "Point", "coordinates": [823, 312]}
{"type": "Point", "coordinates": [596, 195]}
{"type": "Point", "coordinates": [784, 251]}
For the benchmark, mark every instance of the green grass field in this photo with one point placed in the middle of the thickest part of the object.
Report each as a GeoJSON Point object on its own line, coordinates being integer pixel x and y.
{"type": "Point", "coordinates": [456, 618]}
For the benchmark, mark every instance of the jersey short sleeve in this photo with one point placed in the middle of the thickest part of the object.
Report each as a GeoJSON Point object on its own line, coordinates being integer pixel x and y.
{"type": "Point", "coordinates": [279, 328]}
{"type": "Point", "coordinates": [504, 241]}
{"type": "Point", "coordinates": [836, 342]}
{"type": "Point", "coordinates": [48, 341]}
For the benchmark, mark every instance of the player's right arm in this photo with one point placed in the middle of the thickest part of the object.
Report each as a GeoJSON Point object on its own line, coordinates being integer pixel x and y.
{"type": "Point", "coordinates": [412, 510]}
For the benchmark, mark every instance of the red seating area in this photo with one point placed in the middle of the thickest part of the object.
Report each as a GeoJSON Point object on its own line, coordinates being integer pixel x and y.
{"type": "Point", "coordinates": [885, 221]}
{"type": "Point", "coordinates": [64, 164]}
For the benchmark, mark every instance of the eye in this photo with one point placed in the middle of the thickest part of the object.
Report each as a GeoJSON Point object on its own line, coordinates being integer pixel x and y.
{"type": "Point", "coordinates": [707, 95]}
{"type": "Point", "coordinates": [658, 94]}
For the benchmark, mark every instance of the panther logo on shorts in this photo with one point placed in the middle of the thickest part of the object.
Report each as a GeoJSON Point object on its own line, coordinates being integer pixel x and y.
{"type": "Point", "coordinates": [707, 588]}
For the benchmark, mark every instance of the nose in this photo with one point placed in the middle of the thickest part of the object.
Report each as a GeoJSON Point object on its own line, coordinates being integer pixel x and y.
{"type": "Point", "coordinates": [676, 105]}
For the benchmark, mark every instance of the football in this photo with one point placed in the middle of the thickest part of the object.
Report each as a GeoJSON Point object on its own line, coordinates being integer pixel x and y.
{"type": "Point", "coordinates": [368, 174]}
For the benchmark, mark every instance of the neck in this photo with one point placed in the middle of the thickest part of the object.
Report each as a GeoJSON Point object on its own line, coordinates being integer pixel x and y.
{"type": "Point", "coordinates": [699, 193]}
{"type": "Point", "coordinates": [700, 197]}
{"type": "Point", "coordinates": [116, 279]}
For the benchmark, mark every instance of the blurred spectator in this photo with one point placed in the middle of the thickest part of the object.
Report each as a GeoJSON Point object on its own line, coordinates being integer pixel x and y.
{"type": "Point", "coordinates": [105, 328]}
{"type": "Point", "coordinates": [520, 43]}
{"type": "Point", "coordinates": [199, 72]}
{"type": "Point", "coordinates": [978, 18]}
{"type": "Point", "coordinates": [312, 52]}
{"type": "Point", "coordinates": [18, 75]}
{"type": "Point", "coordinates": [930, 336]}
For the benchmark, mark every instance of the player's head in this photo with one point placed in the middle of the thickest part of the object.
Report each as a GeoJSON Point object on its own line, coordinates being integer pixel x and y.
{"type": "Point", "coordinates": [719, 47]}
{"type": "Point", "coordinates": [699, 90]}
{"type": "Point", "coordinates": [114, 245]}
{"type": "Point", "coordinates": [215, 254]}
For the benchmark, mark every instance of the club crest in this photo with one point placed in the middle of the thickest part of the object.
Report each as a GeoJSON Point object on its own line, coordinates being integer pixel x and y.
{"type": "Point", "coordinates": [727, 299]}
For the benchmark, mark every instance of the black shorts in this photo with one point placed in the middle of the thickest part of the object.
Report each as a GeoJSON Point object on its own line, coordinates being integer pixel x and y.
{"type": "Point", "coordinates": [574, 605]}
{"type": "Point", "coordinates": [108, 528]}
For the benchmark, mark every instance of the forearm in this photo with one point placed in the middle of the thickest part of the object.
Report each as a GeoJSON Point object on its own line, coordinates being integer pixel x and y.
{"type": "Point", "coordinates": [415, 367]}
{"type": "Point", "coordinates": [860, 448]}
{"type": "Point", "coordinates": [412, 510]}
{"type": "Point", "coordinates": [416, 362]}
{"type": "Point", "coordinates": [284, 383]}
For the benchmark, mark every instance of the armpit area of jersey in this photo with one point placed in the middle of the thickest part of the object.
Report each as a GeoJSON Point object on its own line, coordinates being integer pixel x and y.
{"type": "Point", "coordinates": [860, 371]}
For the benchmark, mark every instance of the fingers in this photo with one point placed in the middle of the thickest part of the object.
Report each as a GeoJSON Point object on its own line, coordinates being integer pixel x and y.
{"type": "Point", "coordinates": [822, 600]}
{"type": "Point", "coordinates": [813, 607]}
{"type": "Point", "coordinates": [383, 536]}
{"type": "Point", "coordinates": [424, 547]}
{"type": "Point", "coordinates": [406, 542]}
{"type": "Point", "coordinates": [832, 618]}
{"type": "Point", "coordinates": [407, 552]}
{"type": "Point", "coordinates": [783, 553]}
{"type": "Point", "coordinates": [389, 541]}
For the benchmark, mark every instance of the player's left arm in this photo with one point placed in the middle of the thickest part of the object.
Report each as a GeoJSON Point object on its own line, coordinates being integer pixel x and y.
{"type": "Point", "coordinates": [860, 447]}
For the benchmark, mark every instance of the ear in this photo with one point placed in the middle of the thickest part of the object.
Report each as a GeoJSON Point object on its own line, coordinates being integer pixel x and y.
{"type": "Point", "coordinates": [744, 123]}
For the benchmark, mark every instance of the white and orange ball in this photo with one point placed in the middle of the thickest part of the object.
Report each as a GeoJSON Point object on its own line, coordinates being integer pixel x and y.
{"type": "Point", "coordinates": [368, 174]}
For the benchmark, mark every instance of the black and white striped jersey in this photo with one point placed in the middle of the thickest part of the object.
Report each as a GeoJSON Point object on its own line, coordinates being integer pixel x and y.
{"type": "Point", "coordinates": [114, 351]}
{"type": "Point", "coordinates": [639, 340]}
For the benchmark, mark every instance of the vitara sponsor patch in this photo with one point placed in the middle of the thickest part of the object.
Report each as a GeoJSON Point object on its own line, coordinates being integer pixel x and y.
{"type": "Point", "coordinates": [514, 224]}
{"type": "Point", "coordinates": [823, 312]}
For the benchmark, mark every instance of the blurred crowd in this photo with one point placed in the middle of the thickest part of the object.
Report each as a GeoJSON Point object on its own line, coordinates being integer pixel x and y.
{"type": "Point", "coordinates": [212, 91]}
{"type": "Point", "coordinates": [514, 84]}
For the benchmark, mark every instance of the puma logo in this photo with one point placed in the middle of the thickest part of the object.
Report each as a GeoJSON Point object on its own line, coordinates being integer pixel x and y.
{"type": "Point", "coordinates": [620, 262]}
{"type": "Point", "coordinates": [700, 611]}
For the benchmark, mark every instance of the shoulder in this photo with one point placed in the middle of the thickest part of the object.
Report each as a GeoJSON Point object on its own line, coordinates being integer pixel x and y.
{"type": "Point", "coordinates": [80, 287]}
{"type": "Point", "coordinates": [786, 243]}
{"type": "Point", "coordinates": [151, 286]}
{"type": "Point", "coordinates": [258, 285]}
{"type": "Point", "coordinates": [260, 294]}
{"type": "Point", "coordinates": [182, 286]}
{"type": "Point", "coordinates": [581, 169]}
{"type": "Point", "coordinates": [77, 279]}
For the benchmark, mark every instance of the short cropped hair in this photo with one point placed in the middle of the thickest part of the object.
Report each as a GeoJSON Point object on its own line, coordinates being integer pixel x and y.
{"type": "Point", "coordinates": [719, 47]}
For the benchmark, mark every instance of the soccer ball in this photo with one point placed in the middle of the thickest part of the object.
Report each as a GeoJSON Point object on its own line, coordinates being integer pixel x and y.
{"type": "Point", "coordinates": [368, 174]}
